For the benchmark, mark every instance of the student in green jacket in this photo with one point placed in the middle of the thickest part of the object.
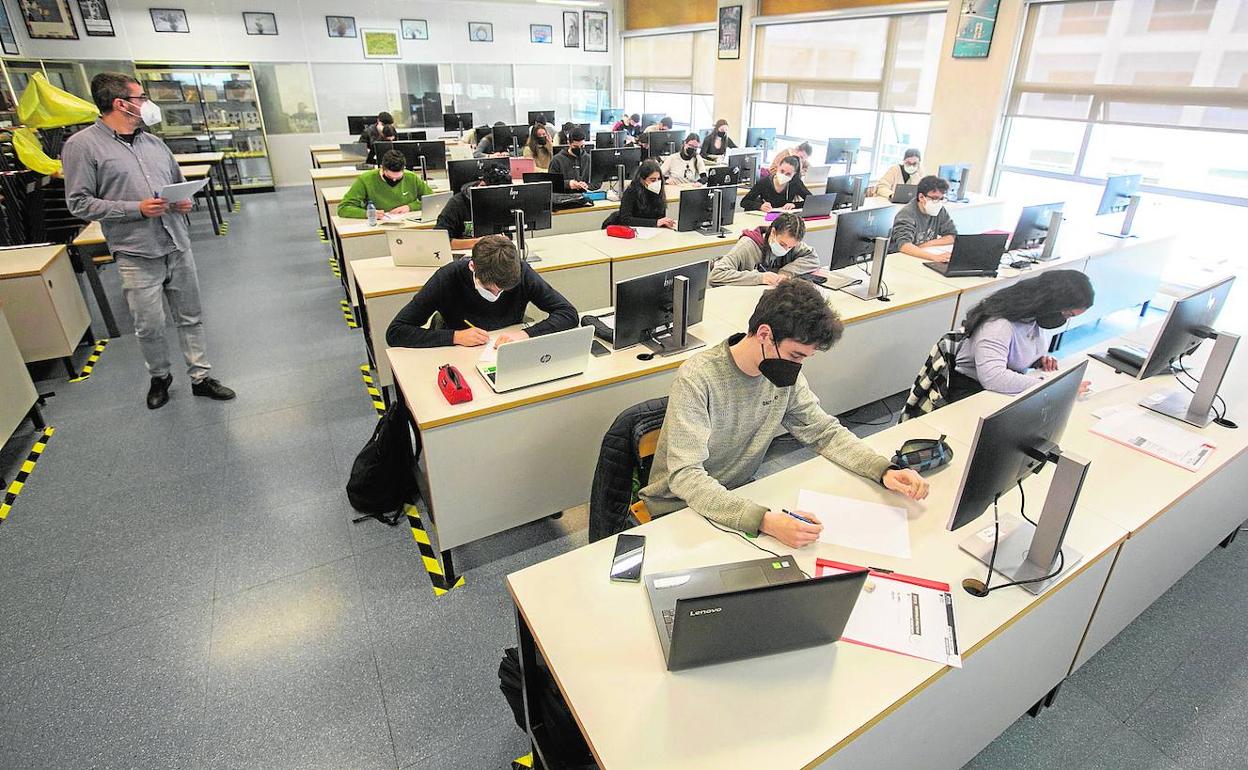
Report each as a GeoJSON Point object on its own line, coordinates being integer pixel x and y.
{"type": "Point", "coordinates": [391, 189]}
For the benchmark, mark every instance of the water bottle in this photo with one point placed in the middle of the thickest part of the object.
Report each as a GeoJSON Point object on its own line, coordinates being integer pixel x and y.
{"type": "Point", "coordinates": [372, 214]}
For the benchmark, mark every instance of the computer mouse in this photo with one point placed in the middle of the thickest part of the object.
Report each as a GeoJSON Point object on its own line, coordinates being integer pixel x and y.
{"type": "Point", "coordinates": [1021, 264]}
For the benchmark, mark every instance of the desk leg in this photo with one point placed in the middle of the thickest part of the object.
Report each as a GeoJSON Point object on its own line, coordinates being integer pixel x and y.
{"type": "Point", "coordinates": [1229, 538]}
{"type": "Point", "coordinates": [225, 186]}
{"type": "Point", "coordinates": [69, 367]}
{"type": "Point", "coordinates": [530, 686]}
{"type": "Point", "coordinates": [36, 417]}
{"type": "Point", "coordinates": [101, 300]}
{"type": "Point", "coordinates": [214, 208]}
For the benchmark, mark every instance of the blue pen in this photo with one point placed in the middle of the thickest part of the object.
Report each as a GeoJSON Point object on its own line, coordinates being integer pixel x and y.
{"type": "Point", "coordinates": [794, 515]}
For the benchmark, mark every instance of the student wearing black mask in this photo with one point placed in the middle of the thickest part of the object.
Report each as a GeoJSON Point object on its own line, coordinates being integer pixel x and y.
{"type": "Point", "coordinates": [686, 166]}
{"type": "Point", "coordinates": [573, 163]}
{"type": "Point", "coordinates": [538, 147]}
{"type": "Point", "coordinates": [644, 203]}
{"type": "Point", "coordinates": [728, 402]}
{"type": "Point", "coordinates": [392, 190]}
{"type": "Point", "coordinates": [717, 142]}
{"type": "Point", "coordinates": [1007, 343]}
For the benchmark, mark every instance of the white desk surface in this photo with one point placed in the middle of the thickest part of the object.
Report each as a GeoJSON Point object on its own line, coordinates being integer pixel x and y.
{"type": "Point", "coordinates": [199, 157]}
{"type": "Point", "coordinates": [783, 711]}
{"type": "Point", "coordinates": [323, 175]}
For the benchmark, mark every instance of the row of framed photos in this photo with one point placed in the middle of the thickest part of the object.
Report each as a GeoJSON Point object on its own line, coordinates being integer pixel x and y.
{"type": "Point", "coordinates": [591, 35]}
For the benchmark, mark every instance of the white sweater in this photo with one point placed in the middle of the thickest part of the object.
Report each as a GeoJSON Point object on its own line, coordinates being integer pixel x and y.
{"type": "Point", "coordinates": [677, 169]}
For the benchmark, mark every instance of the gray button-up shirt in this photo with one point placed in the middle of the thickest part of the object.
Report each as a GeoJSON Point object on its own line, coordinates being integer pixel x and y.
{"type": "Point", "coordinates": [105, 178]}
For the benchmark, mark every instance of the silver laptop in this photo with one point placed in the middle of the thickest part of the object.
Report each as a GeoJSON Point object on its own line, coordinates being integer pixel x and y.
{"type": "Point", "coordinates": [410, 247]}
{"type": "Point", "coordinates": [354, 150]}
{"type": "Point", "coordinates": [431, 205]}
{"type": "Point", "coordinates": [539, 359]}
{"type": "Point", "coordinates": [816, 177]}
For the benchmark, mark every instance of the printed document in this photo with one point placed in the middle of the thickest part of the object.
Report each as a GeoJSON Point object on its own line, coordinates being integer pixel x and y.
{"type": "Point", "coordinates": [1158, 436]}
{"type": "Point", "coordinates": [182, 191]}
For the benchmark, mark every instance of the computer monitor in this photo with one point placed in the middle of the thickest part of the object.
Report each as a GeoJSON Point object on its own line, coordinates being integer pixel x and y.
{"type": "Point", "coordinates": [461, 172]}
{"type": "Point", "coordinates": [761, 138]}
{"type": "Point", "coordinates": [1033, 226]}
{"type": "Point", "coordinates": [650, 118]}
{"type": "Point", "coordinates": [604, 165]}
{"type": "Point", "coordinates": [357, 123]}
{"type": "Point", "coordinates": [556, 180]}
{"type": "Point", "coordinates": [958, 175]}
{"type": "Point", "coordinates": [1186, 326]}
{"type": "Point", "coordinates": [658, 309]}
{"type": "Point", "coordinates": [607, 139]}
{"type": "Point", "coordinates": [514, 210]}
{"type": "Point", "coordinates": [409, 135]}
{"type": "Point", "coordinates": [720, 176]}
{"type": "Point", "coordinates": [856, 231]}
{"type": "Point", "coordinates": [842, 151]}
{"type": "Point", "coordinates": [745, 165]}
{"type": "Point", "coordinates": [610, 116]}
{"type": "Point", "coordinates": [661, 143]}
{"type": "Point", "coordinates": [504, 136]}
{"type": "Point", "coordinates": [458, 122]}
{"type": "Point", "coordinates": [1010, 444]}
{"type": "Point", "coordinates": [545, 117]}
{"type": "Point", "coordinates": [1118, 192]}
{"type": "Point", "coordinates": [850, 190]}
{"type": "Point", "coordinates": [417, 156]}
{"type": "Point", "coordinates": [697, 210]}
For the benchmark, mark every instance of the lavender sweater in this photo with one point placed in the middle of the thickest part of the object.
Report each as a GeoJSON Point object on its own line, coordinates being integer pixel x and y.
{"type": "Point", "coordinates": [1000, 353]}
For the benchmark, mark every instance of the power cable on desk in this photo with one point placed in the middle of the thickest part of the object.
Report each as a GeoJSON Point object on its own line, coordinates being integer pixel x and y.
{"type": "Point", "coordinates": [743, 536]}
{"type": "Point", "coordinates": [983, 589]}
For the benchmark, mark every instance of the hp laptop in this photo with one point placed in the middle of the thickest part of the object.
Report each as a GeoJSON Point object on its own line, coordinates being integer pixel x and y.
{"type": "Point", "coordinates": [904, 193]}
{"type": "Point", "coordinates": [539, 359]}
{"type": "Point", "coordinates": [973, 256]}
{"type": "Point", "coordinates": [431, 205]}
{"type": "Point", "coordinates": [420, 248]}
{"type": "Point", "coordinates": [747, 609]}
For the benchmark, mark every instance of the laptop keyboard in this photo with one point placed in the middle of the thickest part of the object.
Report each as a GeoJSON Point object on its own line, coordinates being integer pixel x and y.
{"type": "Point", "coordinates": [669, 617]}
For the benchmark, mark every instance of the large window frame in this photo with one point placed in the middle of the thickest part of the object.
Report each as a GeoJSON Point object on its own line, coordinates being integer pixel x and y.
{"type": "Point", "coordinates": [648, 92]}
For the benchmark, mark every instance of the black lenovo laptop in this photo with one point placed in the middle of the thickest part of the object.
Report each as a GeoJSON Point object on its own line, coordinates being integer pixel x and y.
{"type": "Point", "coordinates": [747, 609]}
{"type": "Point", "coordinates": [904, 193]}
{"type": "Point", "coordinates": [974, 256]}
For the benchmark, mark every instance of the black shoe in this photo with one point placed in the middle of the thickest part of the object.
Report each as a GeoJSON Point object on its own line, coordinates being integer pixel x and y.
{"type": "Point", "coordinates": [158, 394]}
{"type": "Point", "coordinates": [212, 389]}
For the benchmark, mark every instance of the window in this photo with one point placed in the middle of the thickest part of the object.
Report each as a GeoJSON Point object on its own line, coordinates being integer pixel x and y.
{"type": "Point", "coordinates": [871, 78]}
{"type": "Point", "coordinates": [286, 99]}
{"type": "Point", "coordinates": [674, 75]}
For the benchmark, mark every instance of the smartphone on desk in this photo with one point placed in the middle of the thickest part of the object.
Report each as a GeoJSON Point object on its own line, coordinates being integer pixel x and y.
{"type": "Point", "coordinates": [630, 552]}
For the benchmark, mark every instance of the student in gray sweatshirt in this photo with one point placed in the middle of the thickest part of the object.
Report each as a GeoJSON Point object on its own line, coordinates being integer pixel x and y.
{"type": "Point", "coordinates": [729, 401]}
{"type": "Point", "coordinates": [924, 222]}
{"type": "Point", "coordinates": [767, 254]}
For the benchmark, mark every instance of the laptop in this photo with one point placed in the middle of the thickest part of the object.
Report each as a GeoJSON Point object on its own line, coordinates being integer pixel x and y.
{"type": "Point", "coordinates": [973, 256]}
{"type": "Point", "coordinates": [818, 206]}
{"type": "Point", "coordinates": [420, 248]}
{"type": "Point", "coordinates": [904, 193]}
{"type": "Point", "coordinates": [747, 609]}
{"type": "Point", "coordinates": [537, 360]}
{"type": "Point", "coordinates": [432, 204]}
{"type": "Point", "coordinates": [522, 166]}
{"type": "Point", "coordinates": [354, 150]}
{"type": "Point", "coordinates": [816, 176]}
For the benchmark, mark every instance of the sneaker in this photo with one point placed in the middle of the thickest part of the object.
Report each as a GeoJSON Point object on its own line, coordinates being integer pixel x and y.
{"type": "Point", "coordinates": [158, 393]}
{"type": "Point", "coordinates": [212, 389]}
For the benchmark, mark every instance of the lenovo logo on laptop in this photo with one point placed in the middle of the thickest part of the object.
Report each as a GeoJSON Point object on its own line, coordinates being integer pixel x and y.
{"type": "Point", "coordinates": [707, 611]}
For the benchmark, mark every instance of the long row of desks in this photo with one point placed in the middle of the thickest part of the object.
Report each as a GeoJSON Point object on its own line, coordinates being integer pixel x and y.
{"type": "Point", "coordinates": [1140, 525]}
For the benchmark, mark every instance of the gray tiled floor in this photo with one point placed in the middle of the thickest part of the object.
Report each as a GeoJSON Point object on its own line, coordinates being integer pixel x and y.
{"type": "Point", "coordinates": [184, 588]}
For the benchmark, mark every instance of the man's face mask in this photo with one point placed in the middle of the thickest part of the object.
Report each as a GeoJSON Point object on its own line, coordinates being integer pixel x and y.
{"type": "Point", "coordinates": [779, 371]}
{"type": "Point", "coordinates": [392, 182]}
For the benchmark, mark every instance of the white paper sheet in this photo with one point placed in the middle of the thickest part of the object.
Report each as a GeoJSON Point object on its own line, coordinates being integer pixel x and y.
{"type": "Point", "coordinates": [1101, 379]}
{"type": "Point", "coordinates": [1157, 436]}
{"type": "Point", "coordinates": [1110, 411]}
{"type": "Point", "coordinates": [182, 191]}
{"type": "Point", "coordinates": [490, 354]}
{"type": "Point", "coordinates": [859, 524]}
{"type": "Point", "coordinates": [646, 233]}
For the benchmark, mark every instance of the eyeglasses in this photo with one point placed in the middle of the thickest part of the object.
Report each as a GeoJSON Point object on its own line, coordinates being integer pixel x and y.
{"type": "Point", "coordinates": [142, 98]}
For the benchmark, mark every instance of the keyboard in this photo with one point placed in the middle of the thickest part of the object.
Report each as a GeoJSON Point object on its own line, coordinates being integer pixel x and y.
{"type": "Point", "coordinates": [669, 618]}
{"type": "Point", "coordinates": [1129, 355]}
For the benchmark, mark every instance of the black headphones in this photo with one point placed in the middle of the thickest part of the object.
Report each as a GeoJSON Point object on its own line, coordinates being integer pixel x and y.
{"type": "Point", "coordinates": [923, 454]}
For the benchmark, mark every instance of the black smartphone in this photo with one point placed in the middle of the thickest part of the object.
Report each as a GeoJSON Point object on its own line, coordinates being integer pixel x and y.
{"type": "Point", "coordinates": [599, 349]}
{"type": "Point", "coordinates": [630, 551]}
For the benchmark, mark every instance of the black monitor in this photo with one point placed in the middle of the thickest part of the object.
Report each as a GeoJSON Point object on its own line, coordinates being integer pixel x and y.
{"type": "Point", "coordinates": [1118, 192]}
{"type": "Point", "coordinates": [662, 143]}
{"type": "Point", "coordinates": [650, 118]}
{"type": "Point", "coordinates": [697, 210]}
{"type": "Point", "coordinates": [761, 138]}
{"type": "Point", "coordinates": [409, 135]}
{"type": "Point", "coordinates": [958, 175]}
{"type": "Point", "coordinates": [513, 209]}
{"type": "Point", "coordinates": [1032, 230]}
{"type": "Point", "coordinates": [556, 180]}
{"type": "Point", "coordinates": [504, 136]}
{"type": "Point", "coordinates": [842, 151]}
{"type": "Point", "coordinates": [457, 121]}
{"type": "Point", "coordinates": [1187, 324]}
{"type": "Point", "coordinates": [646, 308]}
{"type": "Point", "coordinates": [607, 139]}
{"type": "Point", "coordinates": [417, 156]}
{"type": "Point", "coordinates": [604, 165]}
{"type": "Point", "coordinates": [744, 165]}
{"type": "Point", "coordinates": [719, 176]}
{"type": "Point", "coordinates": [545, 117]}
{"type": "Point", "coordinates": [850, 190]}
{"type": "Point", "coordinates": [357, 123]}
{"type": "Point", "coordinates": [856, 231]}
{"type": "Point", "coordinates": [461, 172]}
{"type": "Point", "coordinates": [610, 116]}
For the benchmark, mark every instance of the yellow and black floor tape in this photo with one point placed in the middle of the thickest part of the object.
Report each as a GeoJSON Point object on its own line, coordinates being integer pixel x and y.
{"type": "Point", "coordinates": [320, 233]}
{"type": "Point", "coordinates": [374, 393]}
{"type": "Point", "coordinates": [19, 481]}
{"type": "Point", "coordinates": [224, 229]}
{"type": "Point", "coordinates": [522, 763]}
{"type": "Point", "coordinates": [441, 583]}
{"type": "Point", "coordinates": [348, 314]}
{"type": "Point", "coordinates": [237, 207]}
{"type": "Point", "coordinates": [333, 268]}
{"type": "Point", "coordinates": [92, 360]}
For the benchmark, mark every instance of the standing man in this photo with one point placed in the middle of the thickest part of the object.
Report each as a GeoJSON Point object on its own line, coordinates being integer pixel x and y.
{"type": "Point", "coordinates": [114, 171]}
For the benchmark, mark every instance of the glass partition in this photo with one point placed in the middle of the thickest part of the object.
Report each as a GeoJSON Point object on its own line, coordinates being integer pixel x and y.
{"type": "Point", "coordinates": [286, 98]}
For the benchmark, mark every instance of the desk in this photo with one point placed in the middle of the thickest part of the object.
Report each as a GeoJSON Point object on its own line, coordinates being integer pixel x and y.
{"type": "Point", "coordinates": [844, 706]}
{"type": "Point", "coordinates": [329, 177]}
{"type": "Point", "coordinates": [43, 303]}
{"type": "Point", "coordinates": [193, 173]}
{"type": "Point", "coordinates": [91, 251]}
{"type": "Point", "coordinates": [217, 160]}
{"type": "Point", "coordinates": [17, 392]}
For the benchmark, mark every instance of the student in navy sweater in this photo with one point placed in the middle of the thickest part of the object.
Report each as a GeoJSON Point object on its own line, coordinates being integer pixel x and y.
{"type": "Point", "coordinates": [474, 296]}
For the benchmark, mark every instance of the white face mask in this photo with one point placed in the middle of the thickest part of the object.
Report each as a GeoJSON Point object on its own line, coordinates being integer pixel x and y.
{"type": "Point", "coordinates": [655, 187]}
{"type": "Point", "coordinates": [910, 167]}
{"type": "Point", "coordinates": [778, 249]}
{"type": "Point", "coordinates": [933, 207]}
{"type": "Point", "coordinates": [150, 113]}
{"type": "Point", "coordinates": [784, 179]}
{"type": "Point", "coordinates": [485, 293]}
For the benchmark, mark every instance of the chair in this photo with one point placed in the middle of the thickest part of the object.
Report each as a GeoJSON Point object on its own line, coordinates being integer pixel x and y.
{"type": "Point", "coordinates": [931, 387]}
{"type": "Point", "coordinates": [646, 448]}
{"type": "Point", "coordinates": [623, 469]}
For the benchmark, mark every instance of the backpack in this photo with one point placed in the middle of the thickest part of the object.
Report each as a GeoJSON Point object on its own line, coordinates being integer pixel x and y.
{"type": "Point", "coordinates": [383, 476]}
{"type": "Point", "coordinates": [563, 743]}
{"type": "Point", "coordinates": [931, 387]}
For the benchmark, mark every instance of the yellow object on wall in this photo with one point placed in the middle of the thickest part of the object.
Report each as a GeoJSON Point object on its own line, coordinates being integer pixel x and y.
{"type": "Point", "coordinates": [30, 152]}
{"type": "Point", "coordinates": [43, 105]}
{"type": "Point", "coordinates": [649, 14]}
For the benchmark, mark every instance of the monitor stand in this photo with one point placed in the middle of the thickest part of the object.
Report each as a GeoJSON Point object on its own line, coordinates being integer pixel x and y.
{"type": "Point", "coordinates": [1125, 232]}
{"type": "Point", "coordinates": [1048, 252]}
{"type": "Point", "coordinates": [873, 289]}
{"type": "Point", "coordinates": [1197, 408]}
{"type": "Point", "coordinates": [713, 228]}
{"type": "Point", "coordinates": [677, 339]}
{"type": "Point", "coordinates": [522, 246]}
{"type": "Point", "coordinates": [1025, 552]}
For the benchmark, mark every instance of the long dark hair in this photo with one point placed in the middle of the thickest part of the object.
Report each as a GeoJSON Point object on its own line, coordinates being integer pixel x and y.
{"type": "Point", "coordinates": [647, 167]}
{"type": "Point", "coordinates": [533, 145]}
{"type": "Point", "coordinates": [1049, 292]}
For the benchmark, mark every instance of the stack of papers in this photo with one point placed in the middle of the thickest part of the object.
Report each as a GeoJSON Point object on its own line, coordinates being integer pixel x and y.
{"type": "Point", "coordinates": [1157, 436]}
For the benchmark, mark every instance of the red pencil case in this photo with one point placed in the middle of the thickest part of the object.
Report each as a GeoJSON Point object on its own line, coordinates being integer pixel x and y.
{"type": "Point", "coordinates": [621, 231]}
{"type": "Point", "coordinates": [453, 385]}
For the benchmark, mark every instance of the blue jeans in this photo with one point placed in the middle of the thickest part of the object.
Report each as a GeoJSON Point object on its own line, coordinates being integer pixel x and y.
{"type": "Point", "coordinates": [147, 282]}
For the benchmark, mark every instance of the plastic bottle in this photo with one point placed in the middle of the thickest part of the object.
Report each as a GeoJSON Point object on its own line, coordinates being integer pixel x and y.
{"type": "Point", "coordinates": [372, 214]}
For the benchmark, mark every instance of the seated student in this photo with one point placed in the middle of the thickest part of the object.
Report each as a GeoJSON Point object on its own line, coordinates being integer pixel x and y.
{"type": "Point", "coordinates": [728, 403]}
{"type": "Point", "coordinates": [767, 254]}
{"type": "Point", "coordinates": [538, 147]}
{"type": "Point", "coordinates": [801, 152]}
{"type": "Point", "coordinates": [1007, 343]}
{"type": "Point", "coordinates": [630, 124]}
{"type": "Point", "coordinates": [457, 213]}
{"type": "Point", "coordinates": [391, 189]}
{"type": "Point", "coordinates": [686, 166]}
{"type": "Point", "coordinates": [485, 147]}
{"type": "Point", "coordinates": [909, 171]}
{"type": "Point", "coordinates": [573, 163]}
{"type": "Point", "coordinates": [717, 142]}
{"type": "Point", "coordinates": [664, 124]}
{"type": "Point", "coordinates": [488, 291]}
{"type": "Point", "coordinates": [644, 202]}
{"type": "Point", "coordinates": [923, 222]}
{"type": "Point", "coordinates": [382, 128]}
{"type": "Point", "coordinates": [782, 190]}
{"type": "Point", "coordinates": [565, 131]}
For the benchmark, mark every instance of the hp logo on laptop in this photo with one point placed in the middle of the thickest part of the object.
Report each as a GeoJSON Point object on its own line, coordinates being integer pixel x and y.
{"type": "Point", "coordinates": [545, 359]}
{"type": "Point", "coordinates": [514, 194]}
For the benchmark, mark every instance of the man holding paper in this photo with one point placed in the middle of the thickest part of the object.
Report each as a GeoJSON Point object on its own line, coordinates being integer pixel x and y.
{"type": "Point", "coordinates": [115, 172]}
{"type": "Point", "coordinates": [729, 401]}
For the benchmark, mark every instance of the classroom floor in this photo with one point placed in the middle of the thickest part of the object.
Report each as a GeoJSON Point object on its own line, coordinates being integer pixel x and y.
{"type": "Point", "coordinates": [184, 588]}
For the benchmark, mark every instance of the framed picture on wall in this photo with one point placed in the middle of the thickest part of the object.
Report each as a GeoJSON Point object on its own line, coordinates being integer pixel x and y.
{"type": "Point", "coordinates": [48, 19]}
{"type": "Point", "coordinates": [380, 43]}
{"type": "Point", "coordinates": [8, 41]}
{"type": "Point", "coordinates": [571, 29]}
{"type": "Point", "coordinates": [976, 22]}
{"type": "Point", "coordinates": [730, 32]}
{"type": "Point", "coordinates": [541, 33]}
{"type": "Point", "coordinates": [340, 26]}
{"type": "Point", "coordinates": [169, 20]}
{"type": "Point", "coordinates": [596, 31]}
{"type": "Point", "coordinates": [96, 19]}
{"type": "Point", "coordinates": [481, 32]}
{"type": "Point", "coordinates": [259, 23]}
{"type": "Point", "coordinates": [414, 29]}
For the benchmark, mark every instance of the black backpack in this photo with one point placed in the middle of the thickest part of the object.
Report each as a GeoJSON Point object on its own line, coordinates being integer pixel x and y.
{"type": "Point", "coordinates": [564, 745]}
{"type": "Point", "coordinates": [383, 475]}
